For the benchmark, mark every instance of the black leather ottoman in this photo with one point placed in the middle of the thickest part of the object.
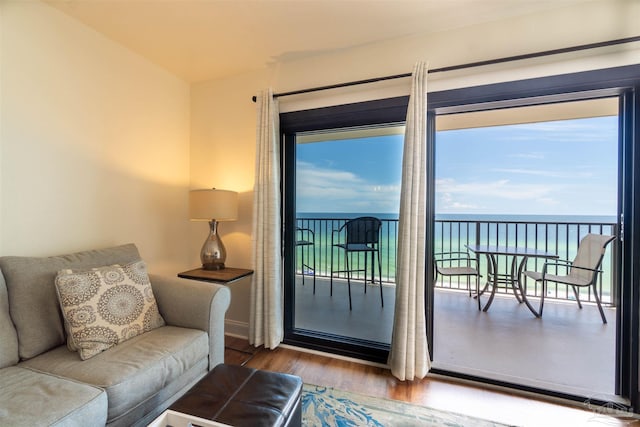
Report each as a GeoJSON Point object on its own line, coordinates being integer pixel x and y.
{"type": "Point", "coordinates": [241, 396]}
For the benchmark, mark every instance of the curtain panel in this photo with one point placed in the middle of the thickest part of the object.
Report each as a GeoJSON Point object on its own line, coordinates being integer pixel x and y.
{"type": "Point", "coordinates": [409, 356]}
{"type": "Point", "coordinates": [266, 312]}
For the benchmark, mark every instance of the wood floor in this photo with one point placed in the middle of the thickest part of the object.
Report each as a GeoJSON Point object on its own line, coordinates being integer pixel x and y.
{"type": "Point", "coordinates": [468, 398]}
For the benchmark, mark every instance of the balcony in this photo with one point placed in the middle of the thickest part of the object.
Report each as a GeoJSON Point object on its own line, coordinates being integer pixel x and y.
{"type": "Point", "coordinates": [506, 343]}
{"type": "Point", "coordinates": [561, 238]}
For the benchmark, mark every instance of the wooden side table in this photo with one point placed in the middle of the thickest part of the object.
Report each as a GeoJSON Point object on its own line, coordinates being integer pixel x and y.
{"type": "Point", "coordinates": [225, 276]}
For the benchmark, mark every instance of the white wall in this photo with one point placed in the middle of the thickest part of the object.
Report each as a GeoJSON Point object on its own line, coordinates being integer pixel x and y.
{"type": "Point", "coordinates": [94, 143]}
{"type": "Point", "coordinates": [223, 116]}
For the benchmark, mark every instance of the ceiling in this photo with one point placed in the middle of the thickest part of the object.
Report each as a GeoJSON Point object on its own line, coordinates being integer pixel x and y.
{"type": "Point", "coordinates": [209, 39]}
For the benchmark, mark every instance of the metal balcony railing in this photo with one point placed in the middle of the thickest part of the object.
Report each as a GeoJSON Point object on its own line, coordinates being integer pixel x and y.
{"type": "Point", "coordinates": [561, 238]}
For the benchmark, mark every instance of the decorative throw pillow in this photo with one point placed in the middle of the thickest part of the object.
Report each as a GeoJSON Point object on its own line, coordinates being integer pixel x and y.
{"type": "Point", "coordinates": [105, 306]}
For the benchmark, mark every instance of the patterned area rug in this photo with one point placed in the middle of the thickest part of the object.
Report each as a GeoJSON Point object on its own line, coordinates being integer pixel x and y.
{"type": "Point", "coordinates": [328, 407]}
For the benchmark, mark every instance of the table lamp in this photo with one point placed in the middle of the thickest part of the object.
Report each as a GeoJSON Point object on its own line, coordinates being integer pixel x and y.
{"type": "Point", "coordinates": [213, 205]}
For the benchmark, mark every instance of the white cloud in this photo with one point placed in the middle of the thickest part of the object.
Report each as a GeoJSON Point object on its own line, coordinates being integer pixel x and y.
{"type": "Point", "coordinates": [548, 201]}
{"type": "Point", "coordinates": [545, 173]}
{"type": "Point", "coordinates": [564, 131]}
{"type": "Point", "coordinates": [327, 190]}
{"type": "Point", "coordinates": [447, 202]}
{"type": "Point", "coordinates": [499, 189]}
{"type": "Point", "coordinates": [496, 196]}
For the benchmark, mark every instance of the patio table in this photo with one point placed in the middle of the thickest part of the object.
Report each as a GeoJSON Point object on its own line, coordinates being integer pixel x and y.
{"type": "Point", "coordinates": [511, 278]}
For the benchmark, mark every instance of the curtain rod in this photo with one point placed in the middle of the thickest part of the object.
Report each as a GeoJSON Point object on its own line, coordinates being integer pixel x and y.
{"type": "Point", "coordinates": [467, 65]}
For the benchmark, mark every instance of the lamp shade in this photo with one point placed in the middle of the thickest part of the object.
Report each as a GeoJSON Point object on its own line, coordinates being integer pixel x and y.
{"type": "Point", "coordinates": [207, 205]}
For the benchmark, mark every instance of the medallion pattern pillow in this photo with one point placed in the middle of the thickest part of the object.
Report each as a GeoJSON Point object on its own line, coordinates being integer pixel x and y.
{"type": "Point", "coordinates": [105, 306]}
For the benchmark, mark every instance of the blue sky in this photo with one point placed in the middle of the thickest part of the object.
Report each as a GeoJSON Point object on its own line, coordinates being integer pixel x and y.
{"type": "Point", "coordinates": [355, 175]}
{"type": "Point", "coordinates": [553, 168]}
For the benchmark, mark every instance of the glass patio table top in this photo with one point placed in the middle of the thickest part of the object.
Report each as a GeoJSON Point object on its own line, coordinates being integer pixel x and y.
{"type": "Point", "coordinates": [511, 278]}
{"type": "Point", "coordinates": [510, 250]}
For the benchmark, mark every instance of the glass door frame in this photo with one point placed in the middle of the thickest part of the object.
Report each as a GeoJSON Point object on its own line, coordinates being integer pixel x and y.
{"type": "Point", "coordinates": [379, 112]}
{"type": "Point", "coordinates": [621, 82]}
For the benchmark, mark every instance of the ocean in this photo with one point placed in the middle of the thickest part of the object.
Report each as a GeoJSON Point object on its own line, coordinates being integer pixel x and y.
{"type": "Point", "coordinates": [472, 217]}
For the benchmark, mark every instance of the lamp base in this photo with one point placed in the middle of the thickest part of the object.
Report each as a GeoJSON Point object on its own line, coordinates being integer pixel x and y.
{"type": "Point", "coordinates": [213, 266]}
{"type": "Point", "coordinates": [213, 253]}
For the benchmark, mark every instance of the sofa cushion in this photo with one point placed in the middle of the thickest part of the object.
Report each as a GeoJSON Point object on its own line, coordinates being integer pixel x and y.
{"type": "Point", "coordinates": [134, 370]}
{"type": "Point", "coordinates": [29, 398]}
{"type": "Point", "coordinates": [8, 336]}
{"type": "Point", "coordinates": [32, 296]}
{"type": "Point", "coordinates": [105, 306]}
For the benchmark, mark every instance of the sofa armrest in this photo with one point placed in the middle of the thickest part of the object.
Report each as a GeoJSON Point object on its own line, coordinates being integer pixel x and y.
{"type": "Point", "coordinates": [196, 305]}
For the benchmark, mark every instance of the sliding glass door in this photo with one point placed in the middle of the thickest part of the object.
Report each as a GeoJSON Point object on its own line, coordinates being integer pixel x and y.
{"type": "Point", "coordinates": [537, 180]}
{"type": "Point", "coordinates": [341, 214]}
{"type": "Point", "coordinates": [341, 286]}
{"type": "Point", "coordinates": [526, 180]}
{"type": "Point", "coordinates": [346, 218]}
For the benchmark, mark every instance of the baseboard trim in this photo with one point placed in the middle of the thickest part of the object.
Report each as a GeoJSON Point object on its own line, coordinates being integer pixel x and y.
{"type": "Point", "coordinates": [334, 356]}
{"type": "Point", "coordinates": [241, 330]}
{"type": "Point", "coordinates": [236, 329]}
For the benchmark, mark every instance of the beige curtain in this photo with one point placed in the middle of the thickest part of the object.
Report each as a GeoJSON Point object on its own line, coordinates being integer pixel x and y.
{"type": "Point", "coordinates": [409, 356]}
{"type": "Point", "coordinates": [266, 314]}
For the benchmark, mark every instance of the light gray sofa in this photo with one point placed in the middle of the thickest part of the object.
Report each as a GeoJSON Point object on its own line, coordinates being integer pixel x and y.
{"type": "Point", "coordinates": [42, 383]}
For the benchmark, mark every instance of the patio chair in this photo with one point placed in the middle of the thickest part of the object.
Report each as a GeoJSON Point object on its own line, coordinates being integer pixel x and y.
{"type": "Point", "coordinates": [359, 235]}
{"type": "Point", "coordinates": [582, 271]}
{"type": "Point", "coordinates": [457, 263]}
{"type": "Point", "coordinates": [305, 238]}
